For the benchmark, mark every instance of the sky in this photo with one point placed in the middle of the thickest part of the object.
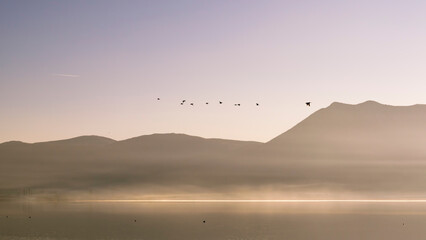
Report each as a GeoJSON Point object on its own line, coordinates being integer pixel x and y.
{"type": "Point", "coordinates": [71, 68]}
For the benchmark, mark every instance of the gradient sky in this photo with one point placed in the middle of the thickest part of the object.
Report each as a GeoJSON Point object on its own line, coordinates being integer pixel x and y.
{"type": "Point", "coordinates": [70, 68]}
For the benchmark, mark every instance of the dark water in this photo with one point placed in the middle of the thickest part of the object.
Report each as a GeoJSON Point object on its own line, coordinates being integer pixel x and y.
{"type": "Point", "coordinates": [178, 221]}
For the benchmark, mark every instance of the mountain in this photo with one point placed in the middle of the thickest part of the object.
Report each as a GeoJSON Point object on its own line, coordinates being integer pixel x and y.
{"type": "Point", "coordinates": [368, 148]}
{"type": "Point", "coordinates": [353, 131]}
{"type": "Point", "coordinates": [81, 141]}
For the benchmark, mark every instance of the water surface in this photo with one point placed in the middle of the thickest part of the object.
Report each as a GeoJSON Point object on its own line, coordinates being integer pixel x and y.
{"type": "Point", "coordinates": [180, 221]}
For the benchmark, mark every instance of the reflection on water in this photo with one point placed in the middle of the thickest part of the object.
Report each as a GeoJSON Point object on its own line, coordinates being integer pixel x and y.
{"type": "Point", "coordinates": [223, 221]}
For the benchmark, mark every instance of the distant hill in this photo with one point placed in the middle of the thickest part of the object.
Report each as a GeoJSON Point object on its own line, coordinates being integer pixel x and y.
{"type": "Point", "coordinates": [365, 148]}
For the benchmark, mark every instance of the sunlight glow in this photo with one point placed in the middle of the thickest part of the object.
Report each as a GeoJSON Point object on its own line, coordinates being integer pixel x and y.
{"type": "Point", "coordinates": [258, 201]}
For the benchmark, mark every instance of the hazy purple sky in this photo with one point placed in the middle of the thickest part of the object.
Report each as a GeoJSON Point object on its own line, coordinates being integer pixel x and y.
{"type": "Point", "coordinates": [70, 68]}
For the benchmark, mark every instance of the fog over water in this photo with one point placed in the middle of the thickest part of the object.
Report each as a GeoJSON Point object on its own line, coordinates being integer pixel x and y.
{"type": "Point", "coordinates": [363, 151]}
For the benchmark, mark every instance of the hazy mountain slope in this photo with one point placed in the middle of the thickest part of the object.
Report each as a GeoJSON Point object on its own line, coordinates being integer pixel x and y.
{"type": "Point", "coordinates": [367, 129]}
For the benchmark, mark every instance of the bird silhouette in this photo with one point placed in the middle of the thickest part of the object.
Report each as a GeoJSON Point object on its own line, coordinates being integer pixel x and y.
{"type": "Point", "coordinates": [220, 102]}
{"type": "Point", "coordinates": [308, 104]}
{"type": "Point", "coordinates": [204, 221]}
{"type": "Point", "coordinates": [29, 217]}
{"type": "Point", "coordinates": [257, 104]}
{"type": "Point", "coordinates": [239, 104]}
{"type": "Point", "coordinates": [183, 100]}
{"type": "Point", "coordinates": [158, 98]}
{"type": "Point", "coordinates": [135, 220]}
{"type": "Point", "coordinates": [207, 103]}
{"type": "Point", "coordinates": [181, 103]}
{"type": "Point", "coordinates": [192, 104]}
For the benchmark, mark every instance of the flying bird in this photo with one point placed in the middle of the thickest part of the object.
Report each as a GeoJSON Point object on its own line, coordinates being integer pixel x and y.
{"type": "Point", "coordinates": [220, 102]}
{"type": "Point", "coordinates": [204, 221]}
{"type": "Point", "coordinates": [183, 100]}
{"type": "Point", "coordinates": [158, 98]}
{"type": "Point", "coordinates": [257, 104]}
{"type": "Point", "coordinates": [308, 104]}
{"type": "Point", "coordinates": [192, 104]}
{"type": "Point", "coordinates": [207, 103]}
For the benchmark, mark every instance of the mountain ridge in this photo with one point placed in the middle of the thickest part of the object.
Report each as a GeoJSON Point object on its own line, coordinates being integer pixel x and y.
{"type": "Point", "coordinates": [333, 105]}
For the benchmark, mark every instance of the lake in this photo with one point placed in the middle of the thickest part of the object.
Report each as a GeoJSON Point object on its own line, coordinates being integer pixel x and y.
{"type": "Point", "coordinates": [250, 221]}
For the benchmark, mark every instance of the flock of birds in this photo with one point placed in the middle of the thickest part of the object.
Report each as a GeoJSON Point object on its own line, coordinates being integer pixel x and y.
{"type": "Point", "coordinates": [220, 102]}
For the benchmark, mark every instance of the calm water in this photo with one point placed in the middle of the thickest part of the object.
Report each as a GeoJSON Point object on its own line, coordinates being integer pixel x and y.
{"type": "Point", "coordinates": [326, 221]}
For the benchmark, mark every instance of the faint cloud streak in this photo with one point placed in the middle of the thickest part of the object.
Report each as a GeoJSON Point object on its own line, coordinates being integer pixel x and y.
{"type": "Point", "coordinates": [65, 75]}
